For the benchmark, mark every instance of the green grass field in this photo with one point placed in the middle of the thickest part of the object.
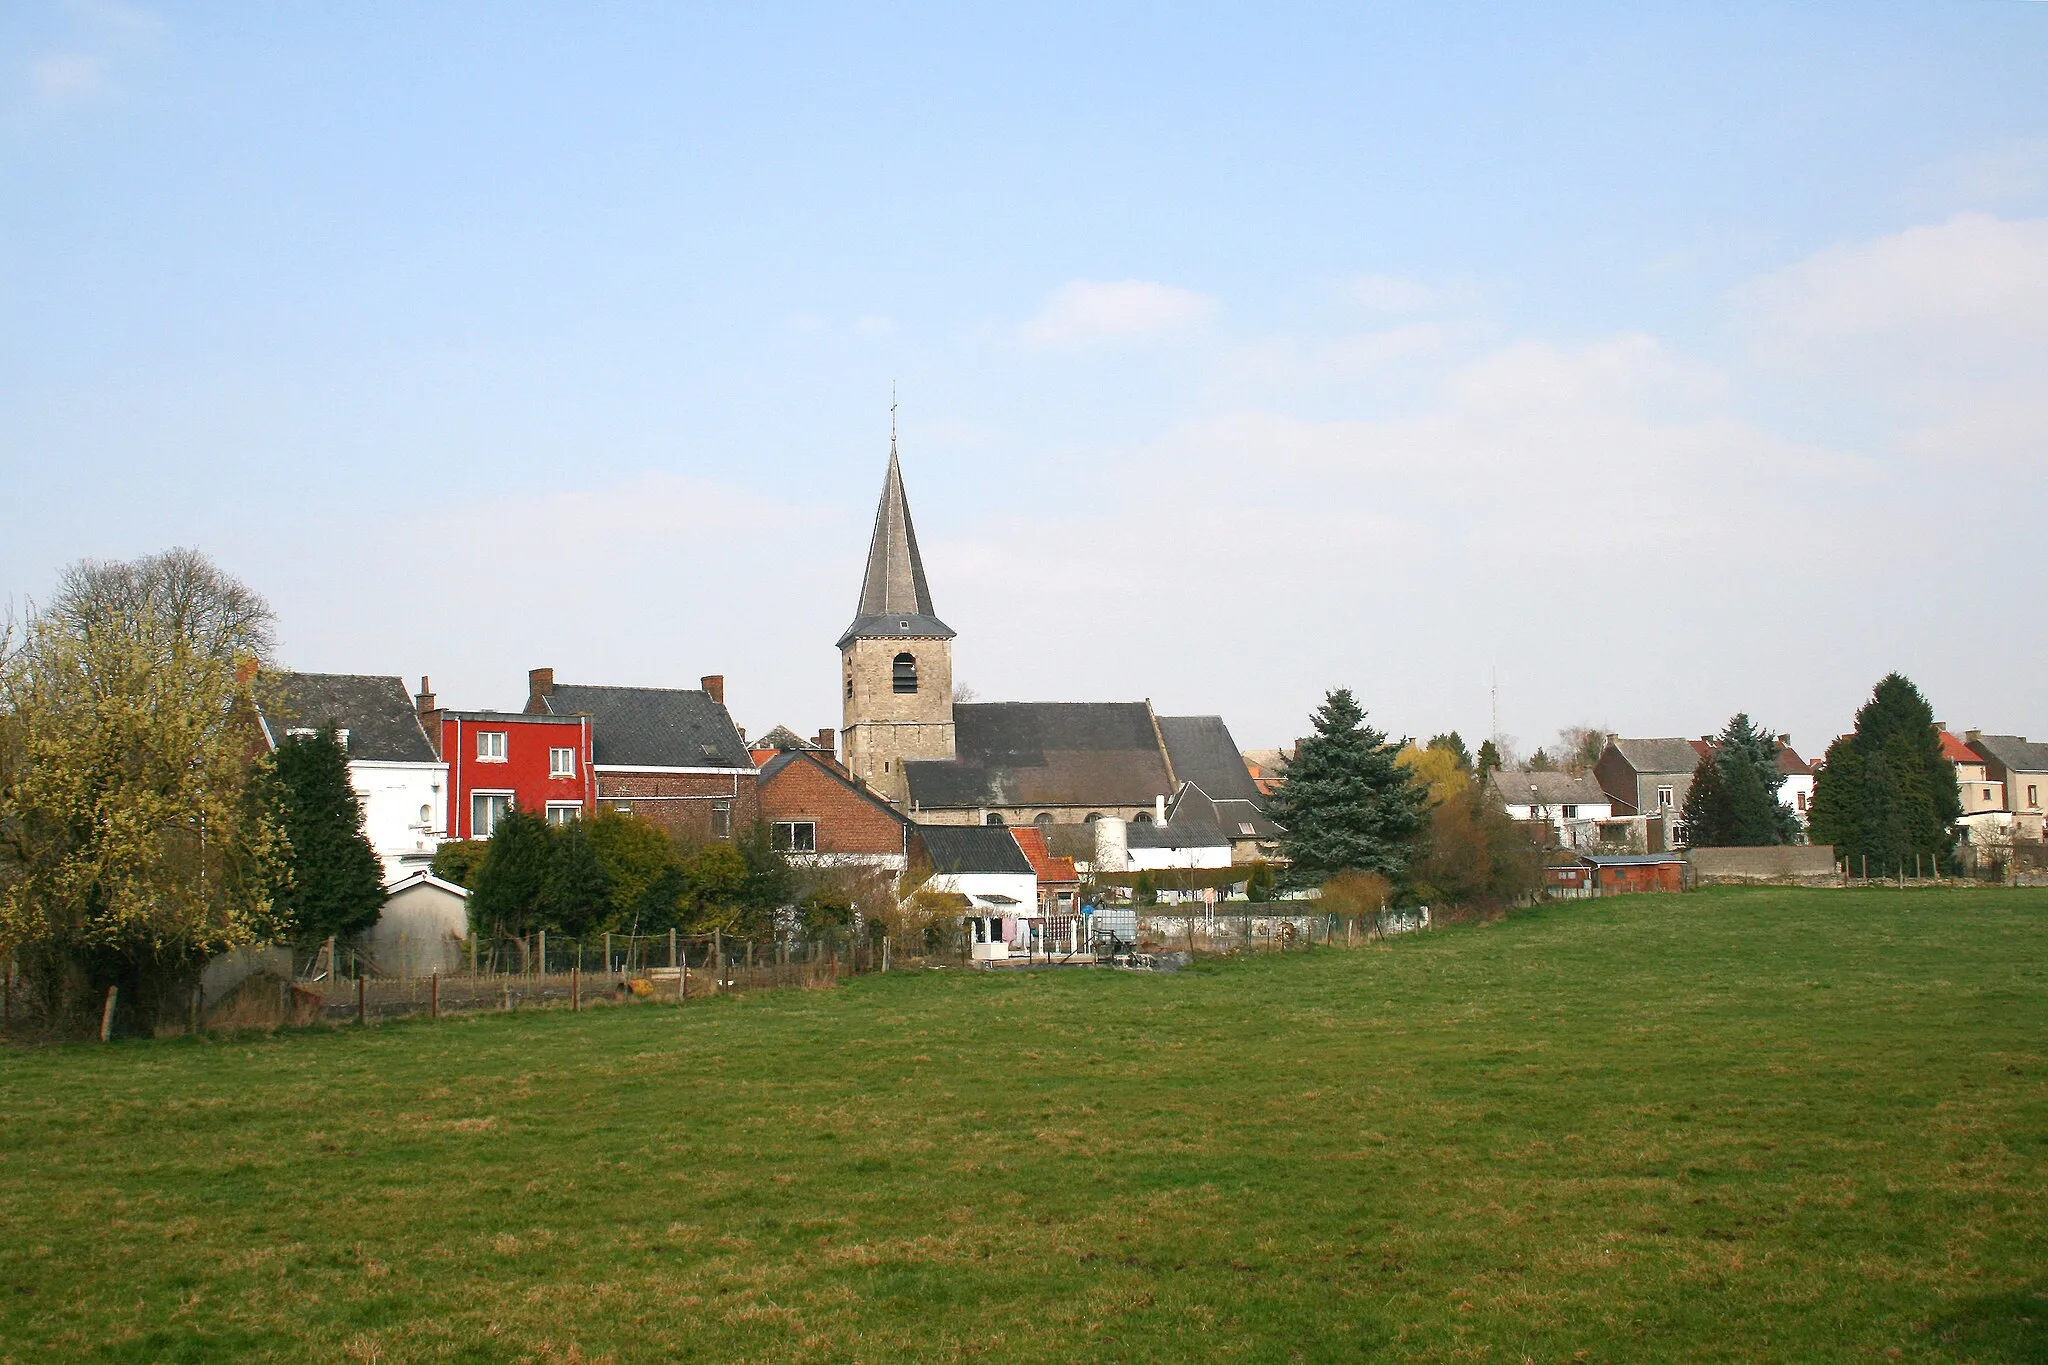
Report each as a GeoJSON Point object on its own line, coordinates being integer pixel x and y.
{"type": "Point", "coordinates": [1725, 1126]}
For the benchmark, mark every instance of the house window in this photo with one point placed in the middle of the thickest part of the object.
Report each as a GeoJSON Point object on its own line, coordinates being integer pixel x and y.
{"type": "Point", "coordinates": [561, 763]}
{"type": "Point", "coordinates": [562, 812]}
{"type": "Point", "coordinates": [490, 746]}
{"type": "Point", "coordinates": [1043, 819]}
{"type": "Point", "coordinates": [994, 818]}
{"type": "Point", "coordinates": [486, 809]}
{"type": "Point", "coordinates": [2033, 797]}
{"type": "Point", "coordinates": [301, 732]}
{"type": "Point", "coordinates": [1571, 812]}
{"type": "Point", "coordinates": [1664, 801]}
{"type": "Point", "coordinates": [1143, 817]}
{"type": "Point", "coordinates": [721, 819]}
{"type": "Point", "coordinates": [906, 672]}
{"type": "Point", "coordinates": [795, 836]}
{"type": "Point", "coordinates": [849, 687]}
{"type": "Point", "coordinates": [1987, 793]}
{"type": "Point", "coordinates": [1802, 800]}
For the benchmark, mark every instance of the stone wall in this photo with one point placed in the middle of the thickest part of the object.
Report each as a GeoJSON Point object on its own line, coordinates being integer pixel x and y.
{"type": "Point", "coordinates": [1785, 865]}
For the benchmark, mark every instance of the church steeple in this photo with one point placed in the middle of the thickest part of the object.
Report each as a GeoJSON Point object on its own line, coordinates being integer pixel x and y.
{"type": "Point", "coordinates": [895, 600]}
{"type": "Point", "coordinates": [896, 658]}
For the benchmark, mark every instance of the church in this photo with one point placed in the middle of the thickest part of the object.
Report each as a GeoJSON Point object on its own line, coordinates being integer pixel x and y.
{"type": "Point", "coordinates": [1056, 765]}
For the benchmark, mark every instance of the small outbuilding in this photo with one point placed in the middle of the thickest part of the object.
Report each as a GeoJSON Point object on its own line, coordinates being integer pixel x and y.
{"type": "Point", "coordinates": [423, 929]}
{"type": "Point", "coordinates": [1616, 873]}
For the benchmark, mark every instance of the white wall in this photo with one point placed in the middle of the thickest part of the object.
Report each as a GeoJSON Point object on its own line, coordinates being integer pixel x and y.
{"type": "Point", "coordinates": [1159, 859]}
{"type": "Point", "coordinates": [393, 795]}
{"type": "Point", "coordinates": [1021, 887]}
{"type": "Point", "coordinates": [1792, 790]}
{"type": "Point", "coordinates": [421, 931]}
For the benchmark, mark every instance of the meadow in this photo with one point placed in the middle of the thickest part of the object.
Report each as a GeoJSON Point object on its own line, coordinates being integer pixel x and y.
{"type": "Point", "coordinates": [1731, 1125]}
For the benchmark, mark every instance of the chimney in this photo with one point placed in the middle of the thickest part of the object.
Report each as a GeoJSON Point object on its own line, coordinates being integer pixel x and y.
{"type": "Point", "coordinates": [1784, 741]}
{"type": "Point", "coordinates": [714, 687]}
{"type": "Point", "coordinates": [246, 669]}
{"type": "Point", "coordinates": [1159, 810]}
{"type": "Point", "coordinates": [540, 685]}
{"type": "Point", "coordinates": [423, 700]}
{"type": "Point", "coordinates": [828, 740]}
{"type": "Point", "coordinates": [1973, 735]}
{"type": "Point", "coordinates": [428, 708]}
{"type": "Point", "coordinates": [742, 731]}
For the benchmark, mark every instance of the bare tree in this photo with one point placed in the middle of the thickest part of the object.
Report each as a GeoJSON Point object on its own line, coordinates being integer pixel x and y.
{"type": "Point", "coordinates": [178, 595]}
{"type": "Point", "coordinates": [1579, 747]}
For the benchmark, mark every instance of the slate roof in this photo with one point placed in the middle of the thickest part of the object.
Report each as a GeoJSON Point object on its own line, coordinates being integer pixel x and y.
{"type": "Point", "coordinates": [1552, 789]}
{"type": "Point", "coordinates": [1659, 755]}
{"type": "Point", "coordinates": [1045, 754]}
{"type": "Point", "coordinates": [654, 727]}
{"type": "Point", "coordinates": [377, 713]}
{"type": "Point", "coordinates": [1203, 752]}
{"type": "Point", "coordinates": [1233, 817]}
{"type": "Point", "coordinates": [1193, 822]}
{"type": "Point", "coordinates": [782, 738]}
{"type": "Point", "coordinates": [895, 600]}
{"type": "Point", "coordinates": [2014, 753]}
{"type": "Point", "coordinates": [973, 848]}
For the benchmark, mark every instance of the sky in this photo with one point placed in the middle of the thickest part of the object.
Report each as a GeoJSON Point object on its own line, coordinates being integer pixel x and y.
{"type": "Point", "coordinates": [1637, 364]}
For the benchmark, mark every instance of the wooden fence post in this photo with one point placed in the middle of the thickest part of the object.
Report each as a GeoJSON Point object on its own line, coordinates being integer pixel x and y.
{"type": "Point", "coordinates": [576, 986]}
{"type": "Point", "coordinates": [683, 980]}
{"type": "Point", "coordinates": [434, 995]}
{"type": "Point", "coordinates": [671, 945]}
{"type": "Point", "coordinates": [543, 952]}
{"type": "Point", "coordinates": [107, 1014]}
{"type": "Point", "coordinates": [362, 1000]}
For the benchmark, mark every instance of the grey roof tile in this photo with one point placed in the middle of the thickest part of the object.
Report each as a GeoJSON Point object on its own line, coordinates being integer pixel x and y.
{"type": "Point", "coordinates": [1203, 752]}
{"type": "Point", "coordinates": [972, 848]}
{"type": "Point", "coordinates": [376, 711]}
{"type": "Point", "coordinates": [1045, 754]}
{"type": "Point", "coordinates": [654, 727]}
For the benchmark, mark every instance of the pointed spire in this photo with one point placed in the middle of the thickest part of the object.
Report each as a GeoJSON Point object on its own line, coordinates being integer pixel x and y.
{"type": "Point", "coordinates": [894, 598]}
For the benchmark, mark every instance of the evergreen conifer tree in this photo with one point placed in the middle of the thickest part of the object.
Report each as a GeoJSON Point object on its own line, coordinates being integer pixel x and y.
{"type": "Point", "coordinates": [506, 900]}
{"type": "Point", "coordinates": [1488, 760]}
{"type": "Point", "coordinates": [333, 882]}
{"type": "Point", "coordinates": [1886, 796]}
{"type": "Point", "coordinates": [575, 894]}
{"type": "Point", "coordinates": [1707, 817]}
{"type": "Point", "coordinates": [1347, 806]}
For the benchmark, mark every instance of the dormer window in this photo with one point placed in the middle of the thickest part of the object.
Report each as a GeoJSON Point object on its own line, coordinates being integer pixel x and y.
{"type": "Point", "coordinates": [905, 672]}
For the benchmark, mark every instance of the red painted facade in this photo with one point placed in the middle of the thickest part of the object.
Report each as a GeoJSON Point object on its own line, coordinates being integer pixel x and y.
{"type": "Point", "coordinates": [518, 767]}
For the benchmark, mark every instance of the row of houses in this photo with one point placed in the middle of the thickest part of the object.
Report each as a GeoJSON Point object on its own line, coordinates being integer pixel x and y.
{"type": "Point", "coordinates": [1631, 796]}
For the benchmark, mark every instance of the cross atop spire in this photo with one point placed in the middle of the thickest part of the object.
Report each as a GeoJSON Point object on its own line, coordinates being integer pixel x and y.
{"type": "Point", "coordinates": [894, 598]}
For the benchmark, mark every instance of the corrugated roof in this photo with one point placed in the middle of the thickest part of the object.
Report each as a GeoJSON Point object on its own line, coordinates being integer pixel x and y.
{"type": "Point", "coordinates": [654, 727]}
{"type": "Point", "coordinates": [1659, 755]}
{"type": "Point", "coordinates": [2016, 753]}
{"type": "Point", "coordinates": [376, 711]}
{"type": "Point", "coordinates": [1045, 754]}
{"type": "Point", "coordinates": [972, 848]}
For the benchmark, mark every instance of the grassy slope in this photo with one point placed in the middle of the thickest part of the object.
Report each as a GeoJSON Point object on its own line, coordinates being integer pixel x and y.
{"type": "Point", "coordinates": [1743, 1125]}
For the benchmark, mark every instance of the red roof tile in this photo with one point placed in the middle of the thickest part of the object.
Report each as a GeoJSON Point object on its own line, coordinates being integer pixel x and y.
{"type": "Point", "coordinates": [1050, 870]}
{"type": "Point", "coordinates": [1955, 751]}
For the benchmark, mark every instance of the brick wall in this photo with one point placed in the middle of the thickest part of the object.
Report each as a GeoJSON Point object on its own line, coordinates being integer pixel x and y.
{"type": "Point", "coordinates": [683, 803]}
{"type": "Point", "coordinates": [847, 821]}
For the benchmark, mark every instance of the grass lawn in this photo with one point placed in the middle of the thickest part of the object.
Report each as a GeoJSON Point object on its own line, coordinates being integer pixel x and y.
{"type": "Point", "coordinates": [1744, 1125]}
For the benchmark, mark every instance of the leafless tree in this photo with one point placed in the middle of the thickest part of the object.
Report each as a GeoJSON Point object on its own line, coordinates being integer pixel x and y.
{"type": "Point", "coordinates": [179, 594]}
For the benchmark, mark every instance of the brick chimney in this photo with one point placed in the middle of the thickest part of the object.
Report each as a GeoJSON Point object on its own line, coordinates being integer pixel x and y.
{"type": "Point", "coordinates": [246, 669]}
{"type": "Point", "coordinates": [828, 740]}
{"type": "Point", "coordinates": [540, 685]}
{"type": "Point", "coordinates": [714, 687]}
{"type": "Point", "coordinates": [427, 706]}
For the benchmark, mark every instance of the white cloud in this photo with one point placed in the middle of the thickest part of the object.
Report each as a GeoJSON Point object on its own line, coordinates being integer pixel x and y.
{"type": "Point", "coordinates": [1975, 280]}
{"type": "Point", "coordinates": [1940, 331]}
{"type": "Point", "coordinates": [1081, 312]}
{"type": "Point", "coordinates": [63, 78]}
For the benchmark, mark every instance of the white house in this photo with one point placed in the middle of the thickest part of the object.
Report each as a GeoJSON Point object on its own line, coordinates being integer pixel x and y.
{"type": "Point", "coordinates": [1795, 786]}
{"type": "Point", "coordinates": [1572, 806]}
{"type": "Point", "coordinates": [984, 864]}
{"type": "Point", "coordinates": [391, 765]}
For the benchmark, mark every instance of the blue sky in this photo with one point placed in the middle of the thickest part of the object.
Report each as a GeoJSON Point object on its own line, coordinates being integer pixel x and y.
{"type": "Point", "coordinates": [1666, 360]}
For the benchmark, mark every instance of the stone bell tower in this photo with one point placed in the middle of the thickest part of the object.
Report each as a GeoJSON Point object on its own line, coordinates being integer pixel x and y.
{"type": "Point", "coordinates": [896, 659]}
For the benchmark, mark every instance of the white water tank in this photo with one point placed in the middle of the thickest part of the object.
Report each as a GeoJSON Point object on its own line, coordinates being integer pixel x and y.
{"type": "Point", "coordinates": [1112, 845]}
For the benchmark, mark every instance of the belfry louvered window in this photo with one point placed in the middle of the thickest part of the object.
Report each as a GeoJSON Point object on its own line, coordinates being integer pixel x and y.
{"type": "Point", "coordinates": [906, 672]}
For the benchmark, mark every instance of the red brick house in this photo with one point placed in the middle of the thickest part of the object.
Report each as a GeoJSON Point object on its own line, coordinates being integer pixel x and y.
{"type": "Point", "coordinates": [818, 814]}
{"type": "Point", "coordinates": [669, 755]}
{"type": "Point", "coordinates": [499, 759]}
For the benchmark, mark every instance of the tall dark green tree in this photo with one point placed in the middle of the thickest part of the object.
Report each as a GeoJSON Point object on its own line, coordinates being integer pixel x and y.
{"type": "Point", "coordinates": [575, 893]}
{"type": "Point", "coordinates": [507, 899]}
{"type": "Point", "coordinates": [1488, 760]}
{"type": "Point", "coordinates": [332, 882]}
{"type": "Point", "coordinates": [1733, 802]}
{"type": "Point", "coordinates": [1885, 796]}
{"type": "Point", "coordinates": [1347, 806]}
{"type": "Point", "coordinates": [1454, 745]}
